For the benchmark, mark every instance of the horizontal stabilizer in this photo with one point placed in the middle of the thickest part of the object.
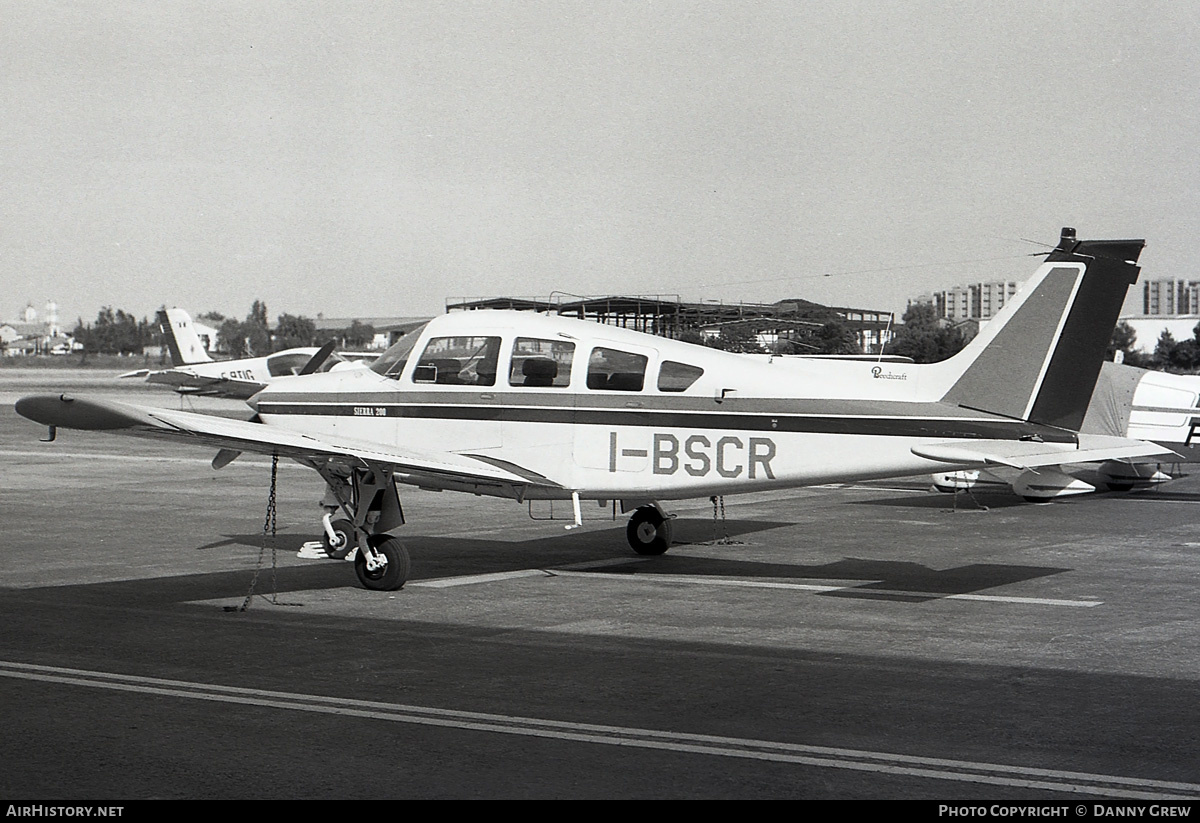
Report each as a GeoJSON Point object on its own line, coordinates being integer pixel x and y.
{"type": "Point", "coordinates": [1025, 454]}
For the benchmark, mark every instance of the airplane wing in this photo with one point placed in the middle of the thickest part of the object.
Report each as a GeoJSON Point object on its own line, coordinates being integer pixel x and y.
{"type": "Point", "coordinates": [1024, 454]}
{"type": "Point", "coordinates": [187, 382]}
{"type": "Point", "coordinates": [437, 469]}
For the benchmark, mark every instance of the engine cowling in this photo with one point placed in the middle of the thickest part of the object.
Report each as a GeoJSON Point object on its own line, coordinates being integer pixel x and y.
{"type": "Point", "coordinates": [1048, 484]}
{"type": "Point", "coordinates": [1119, 476]}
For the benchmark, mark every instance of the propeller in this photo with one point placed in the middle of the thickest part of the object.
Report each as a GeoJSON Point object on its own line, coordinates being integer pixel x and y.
{"type": "Point", "coordinates": [319, 358]}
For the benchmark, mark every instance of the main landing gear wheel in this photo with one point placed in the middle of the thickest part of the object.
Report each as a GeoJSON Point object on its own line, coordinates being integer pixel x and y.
{"type": "Point", "coordinates": [345, 531]}
{"type": "Point", "coordinates": [648, 531]}
{"type": "Point", "coordinates": [393, 573]}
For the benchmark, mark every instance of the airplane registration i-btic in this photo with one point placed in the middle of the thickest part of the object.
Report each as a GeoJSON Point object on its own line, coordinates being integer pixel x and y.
{"type": "Point", "coordinates": [533, 407]}
{"type": "Point", "coordinates": [195, 372]}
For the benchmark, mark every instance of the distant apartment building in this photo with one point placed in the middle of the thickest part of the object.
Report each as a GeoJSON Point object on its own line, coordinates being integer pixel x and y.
{"type": "Point", "coordinates": [1166, 305]}
{"type": "Point", "coordinates": [977, 301]}
{"type": "Point", "coordinates": [1168, 297]}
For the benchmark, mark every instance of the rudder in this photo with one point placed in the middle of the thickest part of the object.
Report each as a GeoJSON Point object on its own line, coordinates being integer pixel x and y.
{"type": "Point", "coordinates": [185, 345]}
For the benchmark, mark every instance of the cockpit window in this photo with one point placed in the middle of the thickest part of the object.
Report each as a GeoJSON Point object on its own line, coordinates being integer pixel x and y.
{"type": "Point", "coordinates": [286, 365]}
{"type": "Point", "coordinates": [613, 370]}
{"type": "Point", "coordinates": [459, 361]}
{"type": "Point", "coordinates": [674, 376]}
{"type": "Point", "coordinates": [541, 363]}
{"type": "Point", "coordinates": [392, 361]}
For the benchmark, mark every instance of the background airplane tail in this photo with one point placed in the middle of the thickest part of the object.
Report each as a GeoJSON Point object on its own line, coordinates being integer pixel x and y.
{"type": "Point", "coordinates": [185, 345]}
{"type": "Point", "coordinates": [1038, 360]}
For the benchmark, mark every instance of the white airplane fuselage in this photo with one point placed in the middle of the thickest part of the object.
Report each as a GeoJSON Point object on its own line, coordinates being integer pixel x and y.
{"type": "Point", "coordinates": [1164, 408]}
{"type": "Point", "coordinates": [526, 406]}
{"type": "Point", "coordinates": [741, 425]}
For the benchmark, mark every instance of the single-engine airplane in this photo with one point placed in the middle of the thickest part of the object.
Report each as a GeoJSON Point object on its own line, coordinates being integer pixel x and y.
{"type": "Point", "coordinates": [525, 406]}
{"type": "Point", "coordinates": [195, 372]}
{"type": "Point", "coordinates": [1127, 402]}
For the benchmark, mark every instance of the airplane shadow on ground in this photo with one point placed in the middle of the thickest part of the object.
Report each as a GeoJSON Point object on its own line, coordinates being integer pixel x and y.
{"type": "Point", "coordinates": [883, 579]}
{"type": "Point", "coordinates": [438, 557]}
{"type": "Point", "coordinates": [939, 500]}
{"type": "Point", "coordinates": [1158, 494]}
{"type": "Point", "coordinates": [1005, 500]}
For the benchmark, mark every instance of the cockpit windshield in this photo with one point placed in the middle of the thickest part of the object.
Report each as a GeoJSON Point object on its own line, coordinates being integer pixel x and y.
{"type": "Point", "coordinates": [392, 361]}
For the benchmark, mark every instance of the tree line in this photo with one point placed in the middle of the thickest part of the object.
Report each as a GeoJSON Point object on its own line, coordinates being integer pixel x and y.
{"type": "Point", "coordinates": [1179, 356]}
{"type": "Point", "coordinates": [117, 332]}
{"type": "Point", "coordinates": [926, 340]}
{"type": "Point", "coordinates": [922, 336]}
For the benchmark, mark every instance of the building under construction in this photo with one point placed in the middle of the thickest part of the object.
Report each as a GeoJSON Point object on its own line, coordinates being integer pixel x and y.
{"type": "Point", "coordinates": [668, 316]}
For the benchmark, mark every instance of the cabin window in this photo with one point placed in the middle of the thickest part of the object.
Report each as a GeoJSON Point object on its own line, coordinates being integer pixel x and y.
{"type": "Point", "coordinates": [286, 365]}
{"type": "Point", "coordinates": [459, 361]}
{"type": "Point", "coordinates": [674, 376]}
{"type": "Point", "coordinates": [541, 363]}
{"type": "Point", "coordinates": [613, 370]}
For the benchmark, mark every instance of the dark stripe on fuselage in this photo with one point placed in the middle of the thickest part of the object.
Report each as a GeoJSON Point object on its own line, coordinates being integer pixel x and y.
{"type": "Point", "coordinates": [898, 426]}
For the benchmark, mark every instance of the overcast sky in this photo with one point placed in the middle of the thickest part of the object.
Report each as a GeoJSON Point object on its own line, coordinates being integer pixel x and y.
{"type": "Point", "coordinates": [375, 158]}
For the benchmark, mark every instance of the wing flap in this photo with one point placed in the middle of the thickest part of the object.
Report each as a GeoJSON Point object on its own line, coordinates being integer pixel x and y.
{"type": "Point", "coordinates": [227, 434]}
{"type": "Point", "coordinates": [1024, 454]}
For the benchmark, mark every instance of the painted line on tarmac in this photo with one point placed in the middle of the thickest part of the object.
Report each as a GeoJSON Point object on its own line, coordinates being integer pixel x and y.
{"type": "Point", "coordinates": [855, 587]}
{"type": "Point", "coordinates": [472, 579]}
{"type": "Point", "coordinates": [964, 771]}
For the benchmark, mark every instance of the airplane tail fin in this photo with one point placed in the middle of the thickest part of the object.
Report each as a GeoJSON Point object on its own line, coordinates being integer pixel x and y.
{"type": "Point", "coordinates": [185, 345]}
{"type": "Point", "coordinates": [1039, 358]}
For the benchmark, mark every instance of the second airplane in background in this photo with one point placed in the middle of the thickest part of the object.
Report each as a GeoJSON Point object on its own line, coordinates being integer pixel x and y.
{"type": "Point", "coordinates": [195, 372]}
{"type": "Point", "coordinates": [1127, 402]}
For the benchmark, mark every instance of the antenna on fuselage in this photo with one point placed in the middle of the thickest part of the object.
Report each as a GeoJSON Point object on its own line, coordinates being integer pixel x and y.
{"type": "Point", "coordinates": [883, 342]}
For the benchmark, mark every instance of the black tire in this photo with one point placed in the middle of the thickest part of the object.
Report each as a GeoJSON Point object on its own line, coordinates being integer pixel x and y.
{"type": "Point", "coordinates": [648, 532]}
{"type": "Point", "coordinates": [391, 576]}
{"type": "Point", "coordinates": [346, 529]}
{"type": "Point", "coordinates": [1120, 487]}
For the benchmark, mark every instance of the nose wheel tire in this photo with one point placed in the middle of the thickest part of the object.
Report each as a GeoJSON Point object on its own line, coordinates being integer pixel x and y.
{"type": "Point", "coordinates": [393, 573]}
{"type": "Point", "coordinates": [648, 532]}
{"type": "Point", "coordinates": [345, 530]}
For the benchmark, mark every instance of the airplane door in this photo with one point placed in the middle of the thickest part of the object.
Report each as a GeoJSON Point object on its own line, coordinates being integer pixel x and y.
{"type": "Point", "coordinates": [456, 377]}
{"type": "Point", "coordinates": [611, 431]}
{"type": "Point", "coordinates": [535, 391]}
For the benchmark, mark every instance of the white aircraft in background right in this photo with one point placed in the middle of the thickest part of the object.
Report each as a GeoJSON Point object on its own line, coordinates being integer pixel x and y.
{"type": "Point", "coordinates": [1127, 402]}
